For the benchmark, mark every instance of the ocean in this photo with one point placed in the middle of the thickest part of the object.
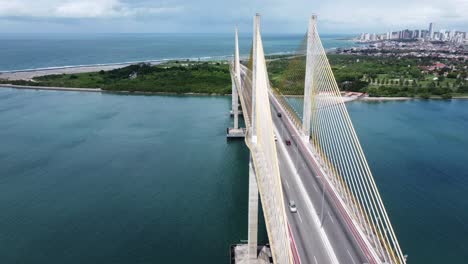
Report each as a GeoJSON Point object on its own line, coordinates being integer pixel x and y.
{"type": "Point", "coordinates": [33, 51]}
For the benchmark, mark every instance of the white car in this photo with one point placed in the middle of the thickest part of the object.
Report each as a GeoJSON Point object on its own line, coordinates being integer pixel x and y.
{"type": "Point", "coordinates": [276, 139]}
{"type": "Point", "coordinates": [292, 207]}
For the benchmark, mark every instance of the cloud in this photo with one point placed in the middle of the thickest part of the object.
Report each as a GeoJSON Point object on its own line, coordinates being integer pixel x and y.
{"type": "Point", "coordinates": [79, 9]}
{"type": "Point", "coordinates": [279, 16]}
{"type": "Point", "coordinates": [83, 9]}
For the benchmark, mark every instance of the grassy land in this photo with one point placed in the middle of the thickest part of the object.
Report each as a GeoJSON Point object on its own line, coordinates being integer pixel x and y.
{"type": "Point", "coordinates": [399, 77]}
{"type": "Point", "coordinates": [378, 76]}
{"type": "Point", "coordinates": [174, 77]}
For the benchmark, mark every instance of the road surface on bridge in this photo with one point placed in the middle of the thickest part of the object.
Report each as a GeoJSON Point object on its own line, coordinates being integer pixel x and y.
{"type": "Point", "coordinates": [330, 243]}
{"type": "Point", "coordinates": [304, 187]}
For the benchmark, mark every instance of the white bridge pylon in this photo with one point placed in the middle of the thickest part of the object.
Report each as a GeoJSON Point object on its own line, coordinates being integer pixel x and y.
{"type": "Point", "coordinates": [260, 140]}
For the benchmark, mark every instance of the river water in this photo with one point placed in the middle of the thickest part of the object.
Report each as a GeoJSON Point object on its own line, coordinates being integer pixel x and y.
{"type": "Point", "coordinates": [107, 178]}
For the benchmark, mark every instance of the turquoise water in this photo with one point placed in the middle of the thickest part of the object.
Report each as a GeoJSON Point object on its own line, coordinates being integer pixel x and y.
{"type": "Point", "coordinates": [101, 178]}
{"type": "Point", "coordinates": [418, 153]}
{"type": "Point", "coordinates": [106, 178]}
{"type": "Point", "coordinates": [30, 51]}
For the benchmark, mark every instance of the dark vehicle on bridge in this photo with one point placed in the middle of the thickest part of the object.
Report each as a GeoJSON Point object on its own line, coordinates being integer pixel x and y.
{"type": "Point", "coordinates": [288, 142]}
{"type": "Point", "coordinates": [279, 114]}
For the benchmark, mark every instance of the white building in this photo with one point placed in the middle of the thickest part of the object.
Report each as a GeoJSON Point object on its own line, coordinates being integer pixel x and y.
{"type": "Point", "coordinates": [431, 30]}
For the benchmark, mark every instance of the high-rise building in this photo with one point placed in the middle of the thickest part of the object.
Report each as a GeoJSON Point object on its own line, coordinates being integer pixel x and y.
{"type": "Point", "coordinates": [431, 30]}
{"type": "Point", "coordinates": [367, 36]}
{"type": "Point", "coordinates": [406, 34]}
{"type": "Point", "coordinates": [424, 34]}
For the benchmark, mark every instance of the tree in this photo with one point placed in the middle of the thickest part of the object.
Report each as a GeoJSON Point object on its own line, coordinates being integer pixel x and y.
{"type": "Point", "coordinates": [452, 75]}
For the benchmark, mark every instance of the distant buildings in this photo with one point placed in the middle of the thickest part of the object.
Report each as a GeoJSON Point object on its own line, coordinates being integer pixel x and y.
{"type": "Point", "coordinates": [431, 30]}
{"type": "Point", "coordinates": [457, 37]}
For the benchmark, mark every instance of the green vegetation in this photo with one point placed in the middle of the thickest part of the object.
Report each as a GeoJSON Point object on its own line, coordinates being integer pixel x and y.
{"type": "Point", "coordinates": [379, 76]}
{"type": "Point", "coordinates": [173, 77]}
{"type": "Point", "coordinates": [408, 77]}
{"type": "Point", "coordinates": [287, 74]}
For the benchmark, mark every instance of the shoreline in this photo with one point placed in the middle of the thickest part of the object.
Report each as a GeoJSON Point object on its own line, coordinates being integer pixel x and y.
{"type": "Point", "coordinates": [367, 98]}
{"type": "Point", "coordinates": [346, 99]}
{"type": "Point", "coordinates": [29, 75]}
{"type": "Point", "coordinates": [99, 90]}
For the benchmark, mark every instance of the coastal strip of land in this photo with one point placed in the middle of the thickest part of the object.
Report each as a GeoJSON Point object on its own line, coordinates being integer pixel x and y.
{"type": "Point", "coordinates": [29, 75]}
{"type": "Point", "coordinates": [173, 77]}
{"type": "Point", "coordinates": [359, 77]}
{"type": "Point", "coordinates": [50, 88]}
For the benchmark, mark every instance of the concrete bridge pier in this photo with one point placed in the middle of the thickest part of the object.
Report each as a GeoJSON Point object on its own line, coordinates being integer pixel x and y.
{"type": "Point", "coordinates": [253, 216]}
{"type": "Point", "coordinates": [252, 253]}
{"type": "Point", "coordinates": [235, 131]}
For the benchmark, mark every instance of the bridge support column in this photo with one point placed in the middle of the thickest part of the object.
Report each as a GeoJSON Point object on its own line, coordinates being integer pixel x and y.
{"type": "Point", "coordinates": [235, 95]}
{"type": "Point", "coordinates": [235, 105]}
{"type": "Point", "coordinates": [256, 34]}
{"type": "Point", "coordinates": [253, 217]}
{"type": "Point", "coordinates": [309, 79]}
{"type": "Point", "coordinates": [236, 132]}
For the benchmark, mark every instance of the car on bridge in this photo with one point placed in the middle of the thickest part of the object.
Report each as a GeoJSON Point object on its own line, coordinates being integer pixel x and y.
{"type": "Point", "coordinates": [292, 207]}
{"type": "Point", "coordinates": [279, 114]}
{"type": "Point", "coordinates": [288, 142]}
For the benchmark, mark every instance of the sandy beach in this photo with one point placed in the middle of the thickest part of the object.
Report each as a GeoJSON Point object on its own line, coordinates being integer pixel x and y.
{"type": "Point", "coordinates": [367, 98]}
{"type": "Point", "coordinates": [28, 75]}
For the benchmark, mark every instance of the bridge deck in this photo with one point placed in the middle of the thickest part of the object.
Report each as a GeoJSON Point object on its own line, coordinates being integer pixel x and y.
{"type": "Point", "coordinates": [331, 244]}
{"type": "Point", "coordinates": [334, 241]}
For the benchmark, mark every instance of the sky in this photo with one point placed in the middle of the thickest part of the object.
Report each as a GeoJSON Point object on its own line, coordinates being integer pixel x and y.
{"type": "Point", "coordinates": [218, 16]}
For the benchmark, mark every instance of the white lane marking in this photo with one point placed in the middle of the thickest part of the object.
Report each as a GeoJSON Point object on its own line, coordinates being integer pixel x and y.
{"type": "Point", "coordinates": [287, 184]}
{"type": "Point", "coordinates": [315, 187]}
{"type": "Point", "coordinates": [316, 262]}
{"type": "Point", "coordinates": [311, 210]}
{"type": "Point", "coordinates": [331, 218]}
{"type": "Point", "coordinates": [351, 257]}
{"type": "Point", "coordinates": [299, 214]}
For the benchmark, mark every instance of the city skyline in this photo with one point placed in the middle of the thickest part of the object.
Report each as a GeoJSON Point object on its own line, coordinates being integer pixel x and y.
{"type": "Point", "coordinates": [210, 16]}
{"type": "Point", "coordinates": [431, 33]}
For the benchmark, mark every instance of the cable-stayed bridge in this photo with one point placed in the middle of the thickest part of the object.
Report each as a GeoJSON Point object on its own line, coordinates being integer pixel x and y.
{"type": "Point", "coordinates": [305, 155]}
